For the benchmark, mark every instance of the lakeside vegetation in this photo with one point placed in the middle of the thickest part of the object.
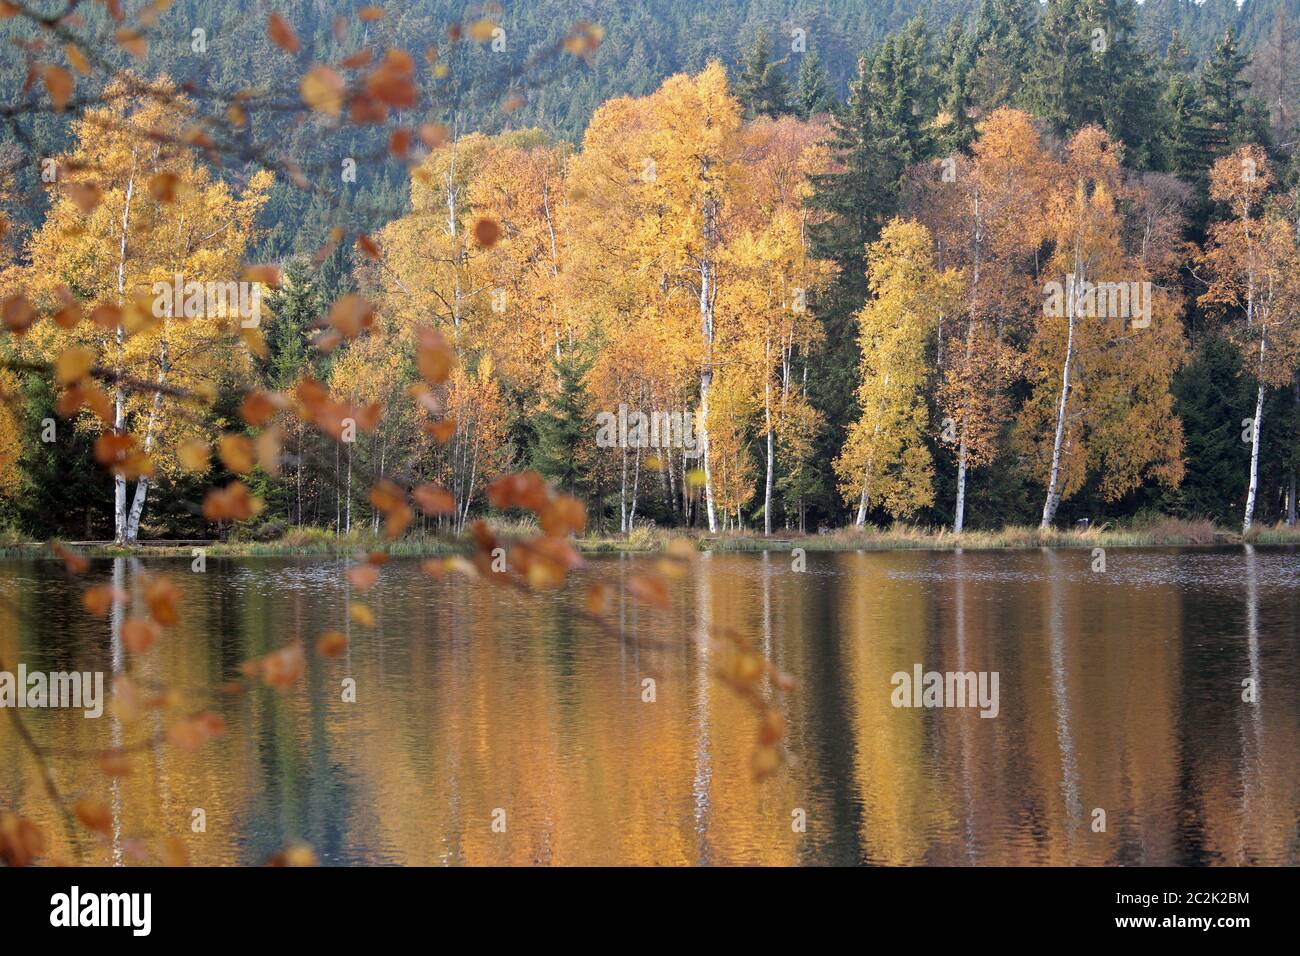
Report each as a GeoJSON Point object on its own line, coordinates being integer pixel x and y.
{"type": "Point", "coordinates": [322, 542]}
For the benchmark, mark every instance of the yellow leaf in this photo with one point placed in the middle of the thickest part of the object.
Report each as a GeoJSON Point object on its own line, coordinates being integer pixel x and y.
{"type": "Point", "coordinates": [480, 31]}
{"type": "Point", "coordinates": [73, 364]}
{"type": "Point", "coordinates": [322, 90]}
{"type": "Point", "coordinates": [193, 455]}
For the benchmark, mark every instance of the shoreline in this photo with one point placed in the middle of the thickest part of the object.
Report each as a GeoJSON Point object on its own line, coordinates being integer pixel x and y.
{"type": "Point", "coordinates": [645, 541]}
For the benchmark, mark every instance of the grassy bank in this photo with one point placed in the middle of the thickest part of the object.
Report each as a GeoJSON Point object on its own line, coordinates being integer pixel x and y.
{"type": "Point", "coordinates": [321, 542]}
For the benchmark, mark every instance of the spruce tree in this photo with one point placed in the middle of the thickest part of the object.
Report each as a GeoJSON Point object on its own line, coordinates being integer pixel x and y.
{"type": "Point", "coordinates": [1222, 89]}
{"type": "Point", "coordinates": [761, 87]}
{"type": "Point", "coordinates": [566, 426]}
{"type": "Point", "coordinates": [294, 308]}
{"type": "Point", "coordinates": [813, 94]}
{"type": "Point", "coordinates": [872, 151]}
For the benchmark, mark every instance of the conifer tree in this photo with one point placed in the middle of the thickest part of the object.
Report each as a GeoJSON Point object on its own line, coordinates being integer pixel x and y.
{"type": "Point", "coordinates": [761, 87]}
{"type": "Point", "coordinates": [813, 94]}
{"type": "Point", "coordinates": [565, 427]}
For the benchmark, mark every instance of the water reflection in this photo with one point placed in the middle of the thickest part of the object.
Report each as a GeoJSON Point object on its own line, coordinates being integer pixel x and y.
{"type": "Point", "coordinates": [1121, 691]}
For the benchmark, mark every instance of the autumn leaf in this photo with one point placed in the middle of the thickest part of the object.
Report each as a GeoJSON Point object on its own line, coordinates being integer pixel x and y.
{"type": "Point", "coordinates": [282, 668]}
{"type": "Point", "coordinates": [236, 452]}
{"type": "Point", "coordinates": [85, 196]}
{"type": "Point", "coordinates": [172, 852]}
{"type": "Point", "coordinates": [361, 58]}
{"type": "Point", "coordinates": [434, 500]}
{"type": "Point", "coordinates": [73, 364]}
{"type": "Point", "coordinates": [281, 34]}
{"type": "Point", "coordinates": [100, 599]}
{"type": "Point", "coordinates": [59, 83]}
{"type": "Point", "coordinates": [480, 31]}
{"type": "Point", "coordinates": [114, 763]}
{"type": "Point", "coordinates": [331, 644]}
{"type": "Point", "coordinates": [94, 815]}
{"type": "Point", "coordinates": [399, 146]}
{"type": "Point", "coordinates": [563, 516]}
{"type": "Point", "coordinates": [21, 841]}
{"type": "Point", "coordinates": [599, 599]}
{"type": "Point", "coordinates": [161, 594]}
{"type": "Point", "coordinates": [72, 561]}
{"type": "Point", "coordinates": [231, 503]}
{"type": "Point", "coordinates": [163, 187]}
{"type": "Point", "coordinates": [322, 89]}
{"type": "Point", "coordinates": [442, 431]}
{"type": "Point", "coordinates": [392, 81]}
{"type": "Point", "coordinates": [296, 854]}
{"type": "Point", "coordinates": [434, 356]}
{"type": "Point", "coordinates": [434, 135]}
{"type": "Point", "coordinates": [487, 232]}
{"type": "Point", "coordinates": [133, 41]}
{"type": "Point", "coordinates": [17, 313]}
{"type": "Point", "coordinates": [139, 634]}
{"type": "Point", "coordinates": [258, 406]}
{"type": "Point", "coordinates": [350, 314]}
{"type": "Point", "coordinates": [363, 577]}
{"type": "Point", "coordinates": [77, 59]}
{"type": "Point", "coordinates": [269, 275]}
{"type": "Point", "coordinates": [193, 455]}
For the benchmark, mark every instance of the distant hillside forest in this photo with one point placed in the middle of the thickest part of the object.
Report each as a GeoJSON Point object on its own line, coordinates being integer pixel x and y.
{"type": "Point", "coordinates": [827, 227]}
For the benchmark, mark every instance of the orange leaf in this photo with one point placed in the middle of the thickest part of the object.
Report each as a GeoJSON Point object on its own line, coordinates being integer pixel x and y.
{"type": "Point", "coordinates": [331, 644]}
{"type": "Point", "coordinates": [363, 577]}
{"type": "Point", "coordinates": [163, 187]}
{"type": "Point", "coordinates": [85, 196]}
{"type": "Point", "coordinates": [392, 82]}
{"type": "Point", "coordinates": [94, 815]}
{"type": "Point", "coordinates": [161, 595]}
{"type": "Point", "coordinates": [434, 500]}
{"type": "Point", "coordinates": [74, 562]}
{"type": "Point", "coordinates": [282, 34]}
{"type": "Point", "coordinates": [139, 634]}
{"type": "Point", "coordinates": [73, 364]}
{"type": "Point", "coordinates": [236, 453]}
{"type": "Point", "coordinates": [322, 90]}
{"type": "Point", "coordinates": [133, 41]}
{"type": "Point", "coordinates": [487, 232]}
{"type": "Point", "coordinates": [17, 313]}
{"type": "Point", "coordinates": [193, 455]}
{"type": "Point", "coordinates": [350, 314]}
{"type": "Point", "coordinates": [60, 84]}
{"type": "Point", "coordinates": [77, 59]}
{"type": "Point", "coordinates": [100, 599]}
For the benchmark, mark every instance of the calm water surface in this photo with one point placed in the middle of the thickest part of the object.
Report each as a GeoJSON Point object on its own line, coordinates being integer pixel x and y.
{"type": "Point", "coordinates": [1119, 690]}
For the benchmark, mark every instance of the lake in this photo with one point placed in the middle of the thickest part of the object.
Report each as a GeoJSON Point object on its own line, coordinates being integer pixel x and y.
{"type": "Point", "coordinates": [494, 727]}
